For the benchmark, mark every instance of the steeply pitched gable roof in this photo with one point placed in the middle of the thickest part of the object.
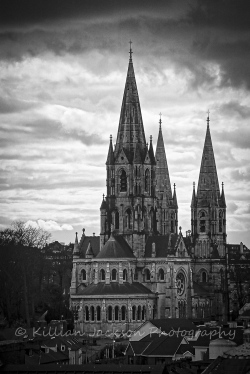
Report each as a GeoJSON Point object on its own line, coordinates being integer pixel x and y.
{"type": "Point", "coordinates": [116, 247]}
{"type": "Point", "coordinates": [114, 288]}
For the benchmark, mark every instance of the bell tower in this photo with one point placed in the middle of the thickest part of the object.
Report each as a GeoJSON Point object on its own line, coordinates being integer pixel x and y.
{"type": "Point", "coordinates": [130, 203]}
{"type": "Point", "coordinates": [208, 207]}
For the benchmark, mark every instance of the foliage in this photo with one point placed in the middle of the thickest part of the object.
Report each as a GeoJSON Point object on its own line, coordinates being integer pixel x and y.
{"type": "Point", "coordinates": [27, 273]}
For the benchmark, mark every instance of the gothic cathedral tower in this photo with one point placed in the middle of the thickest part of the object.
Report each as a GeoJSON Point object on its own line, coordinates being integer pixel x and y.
{"type": "Point", "coordinates": [208, 207]}
{"type": "Point", "coordinates": [139, 201]}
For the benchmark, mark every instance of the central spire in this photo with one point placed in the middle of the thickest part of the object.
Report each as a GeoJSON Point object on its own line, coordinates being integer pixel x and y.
{"type": "Point", "coordinates": [131, 130]}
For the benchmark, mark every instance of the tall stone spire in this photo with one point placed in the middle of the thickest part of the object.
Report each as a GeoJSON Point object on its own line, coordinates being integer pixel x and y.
{"type": "Point", "coordinates": [131, 128]}
{"type": "Point", "coordinates": [162, 174]}
{"type": "Point", "coordinates": [208, 191]}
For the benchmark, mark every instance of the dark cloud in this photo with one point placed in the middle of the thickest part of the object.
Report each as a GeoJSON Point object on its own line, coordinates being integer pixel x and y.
{"type": "Point", "coordinates": [238, 138]}
{"type": "Point", "coordinates": [233, 108]}
{"type": "Point", "coordinates": [11, 105]}
{"type": "Point", "coordinates": [44, 129]}
{"type": "Point", "coordinates": [241, 175]}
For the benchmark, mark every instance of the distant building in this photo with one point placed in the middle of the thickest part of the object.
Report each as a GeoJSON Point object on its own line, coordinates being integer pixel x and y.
{"type": "Point", "coordinates": [142, 266]}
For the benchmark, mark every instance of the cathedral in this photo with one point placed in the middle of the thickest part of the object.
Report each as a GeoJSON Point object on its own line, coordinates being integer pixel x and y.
{"type": "Point", "coordinates": [142, 266]}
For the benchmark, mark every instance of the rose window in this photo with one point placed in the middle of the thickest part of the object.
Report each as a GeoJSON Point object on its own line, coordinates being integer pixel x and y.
{"type": "Point", "coordinates": [180, 284]}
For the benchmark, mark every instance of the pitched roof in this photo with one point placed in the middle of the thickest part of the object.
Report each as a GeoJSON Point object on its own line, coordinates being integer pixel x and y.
{"type": "Point", "coordinates": [164, 245]}
{"type": "Point", "coordinates": [114, 288]}
{"type": "Point", "coordinates": [84, 242]}
{"type": "Point", "coordinates": [156, 345]}
{"type": "Point", "coordinates": [223, 365]}
{"type": "Point", "coordinates": [173, 324]}
{"type": "Point", "coordinates": [131, 128]}
{"type": "Point", "coordinates": [116, 247]}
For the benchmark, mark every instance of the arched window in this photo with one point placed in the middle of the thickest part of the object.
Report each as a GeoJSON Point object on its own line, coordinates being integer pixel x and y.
{"type": "Point", "coordinates": [172, 222]}
{"type": "Point", "coordinates": [114, 275]}
{"type": "Point", "coordinates": [139, 313]}
{"type": "Point", "coordinates": [128, 216]}
{"type": "Point", "coordinates": [125, 275]}
{"type": "Point", "coordinates": [116, 220]}
{"type": "Point", "coordinates": [123, 181]}
{"type": "Point", "coordinates": [147, 275]}
{"type": "Point", "coordinates": [102, 275]}
{"type": "Point", "coordinates": [83, 274]}
{"type": "Point", "coordinates": [220, 221]}
{"type": "Point", "coordinates": [147, 181]}
{"type": "Point", "coordinates": [152, 218]}
{"type": "Point", "coordinates": [143, 313]}
{"type": "Point", "coordinates": [204, 277]}
{"type": "Point", "coordinates": [133, 313]}
{"type": "Point", "coordinates": [202, 221]}
{"type": "Point", "coordinates": [161, 275]}
{"type": "Point", "coordinates": [136, 275]}
{"type": "Point", "coordinates": [86, 313]}
{"type": "Point", "coordinates": [116, 313]}
{"type": "Point", "coordinates": [98, 313]}
{"type": "Point", "coordinates": [123, 313]}
{"type": "Point", "coordinates": [92, 313]}
{"type": "Point", "coordinates": [110, 317]}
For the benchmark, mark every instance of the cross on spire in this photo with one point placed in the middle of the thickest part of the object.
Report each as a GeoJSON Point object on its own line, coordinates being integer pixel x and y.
{"type": "Point", "coordinates": [208, 120]}
{"type": "Point", "coordinates": [130, 51]}
{"type": "Point", "coordinates": [160, 118]}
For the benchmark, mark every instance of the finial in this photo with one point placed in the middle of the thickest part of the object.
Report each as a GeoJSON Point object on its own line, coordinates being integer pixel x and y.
{"type": "Point", "coordinates": [83, 230]}
{"type": "Point", "coordinates": [76, 236]}
{"type": "Point", "coordinates": [103, 197]}
{"type": "Point", "coordinates": [180, 228]}
{"type": "Point", "coordinates": [110, 138]}
{"type": "Point", "coordinates": [194, 185]}
{"type": "Point", "coordinates": [208, 120]}
{"type": "Point", "coordinates": [222, 185]}
{"type": "Point", "coordinates": [174, 186]}
{"type": "Point", "coordinates": [130, 51]}
{"type": "Point", "coordinates": [160, 119]}
{"type": "Point", "coordinates": [151, 138]}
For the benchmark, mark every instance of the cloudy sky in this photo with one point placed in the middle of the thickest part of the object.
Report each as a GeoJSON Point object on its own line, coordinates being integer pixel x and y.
{"type": "Point", "coordinates": [63, 67]}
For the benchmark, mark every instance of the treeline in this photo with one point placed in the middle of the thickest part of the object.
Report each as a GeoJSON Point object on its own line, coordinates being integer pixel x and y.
{"type": "Point", "coordinates": [28, 276]}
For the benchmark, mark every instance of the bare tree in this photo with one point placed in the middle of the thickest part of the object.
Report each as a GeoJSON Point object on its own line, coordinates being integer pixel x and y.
{"type": "Point", "coordinates": [20, 246]}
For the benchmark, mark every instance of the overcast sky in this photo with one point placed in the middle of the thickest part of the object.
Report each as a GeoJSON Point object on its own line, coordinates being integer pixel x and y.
{"type": "Point", "coordinates": [63, 67]}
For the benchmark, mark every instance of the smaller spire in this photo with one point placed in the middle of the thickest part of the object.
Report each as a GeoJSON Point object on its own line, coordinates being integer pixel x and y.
{"type": "Point", "coordinates": [193, 196]}
{"type": "Point", "coordinates": [222, 197]}
{"type": "Point", "coordinates": [130, 51]}
{"type": "Point", "coordinates": [151, 151]}
{"type": "Point", "coordinates": [175, 197]}
{"type": "Point", "coordinates": [76, 247]}
{"type": "Point", "coordinates": [110, 158]}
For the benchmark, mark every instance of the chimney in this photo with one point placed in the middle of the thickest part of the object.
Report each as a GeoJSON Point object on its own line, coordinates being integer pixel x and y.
{"type": "Point", "coordinates": [93, 233]}
{"type": "Point", "coordinates": [241, 248]}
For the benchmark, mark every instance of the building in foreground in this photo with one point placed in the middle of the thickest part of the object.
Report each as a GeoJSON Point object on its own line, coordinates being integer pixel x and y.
{"type": "Point", "coordinates": [142, 266]}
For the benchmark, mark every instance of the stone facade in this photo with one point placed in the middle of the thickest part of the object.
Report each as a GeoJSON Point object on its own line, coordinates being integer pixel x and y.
{"type": "Point", "coordinates": [142, 267]}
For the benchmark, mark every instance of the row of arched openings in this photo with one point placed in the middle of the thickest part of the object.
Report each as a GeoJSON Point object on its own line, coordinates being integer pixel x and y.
{"type": "Point", "coordinates": [102, 275]}
{"type": "Point", "coordinates": [160, 275]}
{"type": "Point", "coordinates": [117, 313]}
